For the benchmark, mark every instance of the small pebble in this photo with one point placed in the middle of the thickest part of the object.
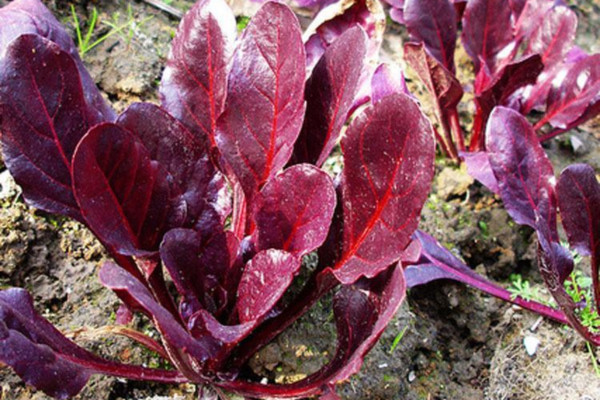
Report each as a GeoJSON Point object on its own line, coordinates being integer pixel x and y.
{"type": "Point", "coordinates": [531, 344]}
{"type": "Point", "coordinates": [412, 376]}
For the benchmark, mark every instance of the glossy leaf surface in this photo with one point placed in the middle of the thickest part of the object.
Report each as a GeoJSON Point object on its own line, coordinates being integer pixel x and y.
{"type": "Point", "coordinates": [553, 38]}
{"type": "Point", "coordinates": [330, 92]}
{"type": "Point", "coordinates": [524, 172]}
{"type": "Point", "coordinates": [264, 280]}
{"type": "Point", "coordinates": [265, 99]}
{"type": "Point", "coordinates": [200, 266]}
{"type": "Point", "coordinates": [574, 94]}
{"type": "Point", "coordinates": [387, 79]}
{"type": "Point", "coordinates": [22, 17]}
{"type": "Point", "coordinates": [125, 197]}
{"type": "Point", "coordinates": [294, 210]}
{"type": "Point", "coordinates": [388, 167]}
{"type": "Point", "coordinates": [488, 33]}
{"type": "Point", "coordinates": [194, 83]}
{"type": "Point", "coordinates": [433, 23]}
{"type": "Point", "coordinates": [43, 115]}
{"type": "Point", "coordinates": [182, 154]}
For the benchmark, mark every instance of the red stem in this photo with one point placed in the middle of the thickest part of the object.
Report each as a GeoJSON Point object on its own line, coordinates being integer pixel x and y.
{"type": "Point", "coordinates": [456, 130]}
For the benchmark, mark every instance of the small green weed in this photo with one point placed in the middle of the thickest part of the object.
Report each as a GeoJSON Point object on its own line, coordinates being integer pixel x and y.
{"type": "Point", "coordinates": [579, 287]}
{"type": "Point", "coordinates": [523, 289]}
{"type": "Point", "coordinates": [85, 43]}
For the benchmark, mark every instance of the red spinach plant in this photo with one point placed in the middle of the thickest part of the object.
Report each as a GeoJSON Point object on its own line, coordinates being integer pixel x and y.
{"type": "Point", "coordinates": [524, 58]}
{"type": "Point", "coordinates": [524, 61]}
{"type": "Point", "coordinates": [221, 188]}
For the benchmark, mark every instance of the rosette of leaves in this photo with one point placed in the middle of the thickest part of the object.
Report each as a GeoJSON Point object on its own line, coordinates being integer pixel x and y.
{"type": "Point", "coordinates": [220, 187]}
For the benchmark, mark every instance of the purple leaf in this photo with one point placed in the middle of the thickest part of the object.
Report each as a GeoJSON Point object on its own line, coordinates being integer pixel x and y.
{"type": "Point", "coordinates": [43, 115]}
{"type": "Point", "coordinates": [529, 13]}
{"type": "Point", "coordinates": [488, 33]}
{"type": "Point", "coordinates": [445, 89]}
{"type": "Point", "coordinates": [294, 210]}
{"type": "Point", "coordinates": [265, 101]}
{"type": "Point", "coordinates": [574, 94]}
{"type": "Point", "coordinates": [437, 262]}
{"type": "Point", "coordinates": [440, 82]}
{"type": "Point", "coordinates": [126, 286]}
{"type": "Point", "coordinates": [330, 92]}
{"type": "Point", "coordinates": [264, 280]}
{"type": "Point", "coordinates": [553, 37]}
{"type": "Point", "coordinates": [387, 79]}
{"type": "Point", "coordinates": [335, 19]}
{"type": "Point", "coordinates": [126, 198]}
{"type": "Point", "coordinates": [388, 167]}
{"type": "Point", "coordinates": [38, 352]}
{"type": "Point", "coordinates": [578, 193]}
{"type": "Point", "coordinates": [433, 23]}
{"type": "Point", "coordinates": [182, 154]}
{"type": "Point", "coordinates": [200, 265]}
{"type": "Point", "coordinates": [496, 90]}
{"type": "Point", "coordinates": [555, 265]}
{"type": "Point", "coordinates": [194, 84]}
{"type": "Point", "coordinates": [524, 172]}
{"type": "Point", "coordinates": [32, 17]}
{"type": "Point", "coordinates": [579, 201]}
{"type": "Point", "coordinates": [478, 166]}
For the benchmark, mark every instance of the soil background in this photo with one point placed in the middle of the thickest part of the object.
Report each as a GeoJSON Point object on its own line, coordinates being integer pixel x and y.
{"type": "Point", "coordinates": [446, 342]}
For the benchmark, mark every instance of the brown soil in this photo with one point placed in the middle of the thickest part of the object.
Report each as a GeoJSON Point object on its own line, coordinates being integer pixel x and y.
{"type": "Point", "coordinates": [456, 342]}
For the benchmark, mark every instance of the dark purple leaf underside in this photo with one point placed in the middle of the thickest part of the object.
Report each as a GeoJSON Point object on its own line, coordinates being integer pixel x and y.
{"type": "Point", "coordinates": [524, 172]}
{"type": "Point", "coordinates": [176, 337]}
{"type": "Point", "coordinates": [553, 38]}
{"type": "Point", "coordinates": [578, 195]}
{"type": "Point", "coordinates": [387, 79]}
{"type": "Point", "coordinates": [194, 84]}
{"type": "Point", "coordinates": [294, 210]}
{"type": "Point", "coordinates": [180, 152]}
{"type": "Point", "coordinates": [43, 115]}
{"type": "Point", "coordinates": [440, 82]}
{"type": "Point", "coordinates": [264, 280]}
{"type": "Point", "coordinates": [39, 353]}
{"type": "Point", "coordinates": [126, 198]}
{"type": "Point", "coordinates": [36, 350]}
{"type": "Point", "coordinates": [433, 23]}
{"type": "Point", "coordinates": [200, 266]}
{"type": "Point", "coordinates": [265, 99]}
{"type": "Point", "coordinates": [329, 94]}
{"type": "Point", "coordinates": [388, 167]}
{"type": "Point", "coordinates": [32, 17]}
{"type": "Point", "coordinates": [575, 95]}
{"type": "Point", "coordinates": [478, 166]}
{"type": "Point", "coordinates": [488, 33]}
